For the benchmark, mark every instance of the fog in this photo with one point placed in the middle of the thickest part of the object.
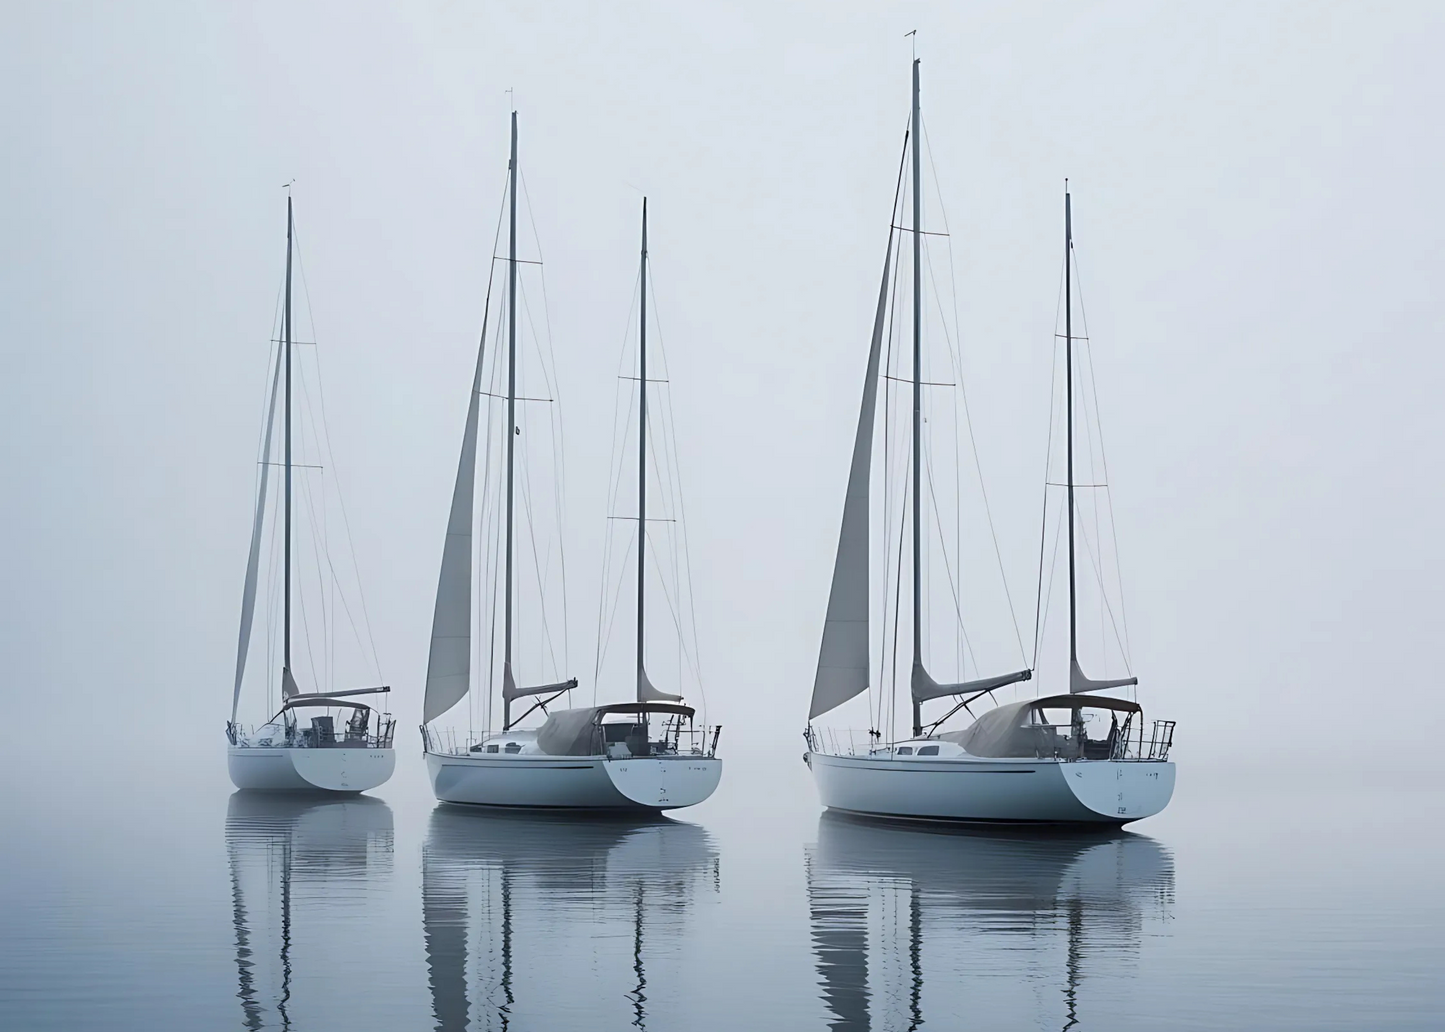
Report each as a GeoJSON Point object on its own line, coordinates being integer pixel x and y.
{"type": "Point", "coordinates": [1257, 196]}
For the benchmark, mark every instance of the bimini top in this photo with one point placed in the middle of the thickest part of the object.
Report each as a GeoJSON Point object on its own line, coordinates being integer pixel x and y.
{"type": "Point", "coordinates": [1010, 730]}
{"type": "Point", "coordinates": [572, 732]}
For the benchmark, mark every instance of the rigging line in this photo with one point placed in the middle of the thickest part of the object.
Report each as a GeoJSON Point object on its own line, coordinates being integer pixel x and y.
{"type": "Point", "coordinates": [943, 547]}
{"type": "Point", "coordinates": [1048, 466]}
{"type": "Point", "coordinates": [340, 496]}
{"type": "Point", "coordinates": [1089, 441]}
{"type": "Point", "coordinates": [891, 575]}
{"type": "Point", "coordinates": [670, 427]}
{"type": "Point", "coordinates": [676, 619]}
{"type": "Point", "coordinates": [478, 547]}
{"type": "Point", "coordinates": [605, 640]}
{"type": "Point", "coordinates": [897, 601]}
{"type": "Point", "coordinates": [956, 354]}
{"type": "Point", "coordinates": [1103, 595]}
{"type": "Point", "coordinates": [558, 474]}
{"type": "Point", "coordinates": [672, 465]}
{"type": "Point", "coordinates": [1104, 462]}
{"type": "Point", "coordinates": [317, 541]}
{"type": "Point", "coordinates": [532, 537]}
{"type": "Point", "coordinates": [1048, 594]}
{"type": "Point", "coordinates": [876, 691]}
{"type": "Point", "coordinates": [559, 479]}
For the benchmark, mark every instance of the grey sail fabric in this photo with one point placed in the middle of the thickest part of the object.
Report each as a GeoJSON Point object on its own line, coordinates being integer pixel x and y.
{"type": "Point", "coordinates": [1079, 683]}
{"type": "Point", "coordinates": [448, 668]}
{"type": "Point", "coordinates": [511, 691]}
{"type": "Point", "coordinates": [843, 655]}
{"type": "Point", "coordinates": [289, 688]}
{"type": "Point", "coordinates": [1011, 730]}
{"type": "Point", "coordinates": [647, 692]}
{"type": "Point", "coordinates": [253, 559]}
{"type": "Point", "coordinates": [925, 687]}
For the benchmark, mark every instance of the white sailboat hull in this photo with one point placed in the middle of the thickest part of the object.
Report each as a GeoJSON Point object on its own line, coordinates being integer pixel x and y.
{"type": "Point", "coordinates": [573, 782]}
{"type": "Point", "coordinates": [282, 769]}
{"type": "Point", "coordinates": [993, 791]}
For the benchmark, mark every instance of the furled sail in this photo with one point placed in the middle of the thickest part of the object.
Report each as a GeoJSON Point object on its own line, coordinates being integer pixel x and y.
{"type": "Point", "coordinates": [448, 668]}
{"type": "Point", "coordinates": [510, 690]}
{"type": "Point", "coordinates": [1079, 683]}
{"type": "Point", "coordinates": [253, 560]}
{"type": "Point", "coordinates": [289, 688]}
{"type": "Point", "coordinates": [925, 687]}
{"type": "Point", "coordinates": [843, 656]}
{"type": "Point", "coordinates": [648, 692]}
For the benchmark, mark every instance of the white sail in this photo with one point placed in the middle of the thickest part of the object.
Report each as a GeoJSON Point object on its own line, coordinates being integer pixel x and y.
{"type": "Point", "coordinates": [253, 559]}
{"type": "Point", "coordinates": [648, 692]}
{"type": "Point", "coordinates": [448, 669]}
{"type": "Point", "coordinates": [843, 656]}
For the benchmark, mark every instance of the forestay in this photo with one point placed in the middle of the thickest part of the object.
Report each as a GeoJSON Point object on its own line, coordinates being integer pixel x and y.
{"type": "Point", "coordinates": [843, 655]}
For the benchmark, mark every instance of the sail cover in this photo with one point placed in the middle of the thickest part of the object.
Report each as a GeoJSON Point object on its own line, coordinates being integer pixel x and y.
{"type": "Point", "coordinates": [648, 692]}
{"type": "Point", "coordinates": [1079, 683]}
{"type": "Point", "coordinates": [253, 559]}
{"type": "Point", "coordinates": [448, 668]}
{"type": "Point", "coordinates": [843, 655]}
{"type": "Point", "coordinates": [925, 687]}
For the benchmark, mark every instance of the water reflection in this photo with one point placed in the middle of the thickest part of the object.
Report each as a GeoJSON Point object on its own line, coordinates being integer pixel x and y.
{"type": "Point", "coordinates": [540, 922]}
{"type": "Point", "coordinates": [301, 873]}
{"type": "Point", "coordinates": [960, 927]}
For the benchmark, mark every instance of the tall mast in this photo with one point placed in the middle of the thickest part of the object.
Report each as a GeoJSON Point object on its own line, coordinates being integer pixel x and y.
{"type": "Point", "coordinates": [511, 412]}
{"type": "Point", "coordinates": [642, 456]}
{"type": "Point", "coordinates": [917, 404]}
{"type": "Point", "coordinates": [1069, 417]}
{"type": "Point", "coordinates": [286, 337]}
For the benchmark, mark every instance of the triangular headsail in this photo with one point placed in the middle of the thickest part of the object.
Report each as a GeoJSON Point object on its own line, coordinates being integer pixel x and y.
{"type": "Point", "coordinates": [448, 671]}
{"type": "Point", "coordinates": [843, 655]}
{"type": "Point", "coordinates": [253, 559]}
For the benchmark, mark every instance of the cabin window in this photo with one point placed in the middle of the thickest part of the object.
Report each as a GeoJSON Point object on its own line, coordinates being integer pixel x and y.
{"type": "Point", "coordinates": [494, 748]}
{"type": "Point", "coordinates": [513, 747]}
{"type": "Point", "coordinates": [928, 750]}
{"type": "Point", "coordinates": [905, 750]}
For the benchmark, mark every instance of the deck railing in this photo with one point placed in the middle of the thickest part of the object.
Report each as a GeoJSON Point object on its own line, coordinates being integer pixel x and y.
{"type": "Point", "coordinates": [309, 738]}
{"type": "Point", "coordinates": [1128, 744]}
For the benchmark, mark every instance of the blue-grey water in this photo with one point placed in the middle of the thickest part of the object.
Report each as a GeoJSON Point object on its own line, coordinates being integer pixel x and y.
{"type": "Point", "coordinates": [158, 898]}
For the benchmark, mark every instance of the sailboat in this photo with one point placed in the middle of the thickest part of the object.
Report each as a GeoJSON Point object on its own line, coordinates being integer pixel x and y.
{"type": "Point", "coordinates": [642, 755]}
{"type": "Point", "coordinates": [1030, 761]}
{"type": "Point", "coordinates": [281, 755]}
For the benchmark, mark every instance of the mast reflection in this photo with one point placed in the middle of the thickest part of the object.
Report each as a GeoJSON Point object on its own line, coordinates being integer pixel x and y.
{"type": "Point", "coordinates": [307, 859]}
{"type": "Point", "coordinates": [544, 921]}
{"type": "Point", "coordinates": [968, 926]}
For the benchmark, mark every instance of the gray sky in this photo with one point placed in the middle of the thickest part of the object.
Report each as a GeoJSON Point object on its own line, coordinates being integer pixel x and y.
{"type": "Point", "coordinates": [1257, 194]}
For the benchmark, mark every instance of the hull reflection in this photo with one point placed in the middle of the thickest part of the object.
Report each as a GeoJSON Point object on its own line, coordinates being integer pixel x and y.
{"type": "Point", "coordinates": [977, 926]}
{"type": "Point", "coordinates": [300, 870]}
{"type": "Point", "coordinates": [537, 921]}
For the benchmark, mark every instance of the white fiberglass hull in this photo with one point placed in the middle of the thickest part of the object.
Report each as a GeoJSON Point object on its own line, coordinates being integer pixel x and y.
{"type": "Point", "coordinates": [993, 791]}
{"type": "Point", "coordinates": [284, 769]}
{"type": "Point", "coordinates": [573, 782]}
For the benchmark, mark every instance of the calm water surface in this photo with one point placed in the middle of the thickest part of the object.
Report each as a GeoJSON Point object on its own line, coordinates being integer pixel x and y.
{"type": "Point", "coordinates": [1250, 903]}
